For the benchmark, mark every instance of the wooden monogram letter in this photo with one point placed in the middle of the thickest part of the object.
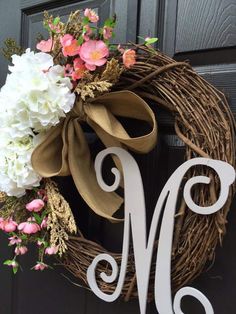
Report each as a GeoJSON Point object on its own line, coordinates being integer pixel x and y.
{"type": "Point", "coordinates": [135, 218]}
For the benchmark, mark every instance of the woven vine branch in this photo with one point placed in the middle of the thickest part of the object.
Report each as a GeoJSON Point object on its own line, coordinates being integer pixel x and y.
{"type": "Point", "coordinates": [204, 122]}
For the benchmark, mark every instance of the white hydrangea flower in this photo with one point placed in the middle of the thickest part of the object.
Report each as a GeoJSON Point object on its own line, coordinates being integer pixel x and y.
{"type": "Point", "coordinates": [16, 172]}
{"type": "Point", "coordinates": [35, 96]}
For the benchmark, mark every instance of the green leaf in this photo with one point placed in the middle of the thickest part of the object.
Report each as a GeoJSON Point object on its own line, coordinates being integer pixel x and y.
{"type": "Point", "coordinates": [140, 37]}
{"type": "Point", "coordinates": [110, 23]}
{"type": "Point", "coordinates": [56, 20]}
{"type": "Point", "coordinates": [37, 218]}
{"type": "Point", "coordinates": [113, 47]}
{"type": "Point", "coordinates": [85, 20]}
{"type": "Point", "coordinates": [15, 270]}
{"type": "Point", "coordinates": [46, 244]}
{"type": "Point", "coordinates": [45, 212]}
{"type": "Point", "coordinates": [23, 237]}
{"type": "Point", "coordinates": [7, 262]}
{"type": "Point", "coordinates": [151, 41]}
{"type": "Point", "coordinates": [80, 40]}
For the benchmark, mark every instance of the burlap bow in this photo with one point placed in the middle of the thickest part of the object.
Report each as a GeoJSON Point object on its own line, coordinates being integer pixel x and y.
{"type": "Point", "coordinates": [65, 151]}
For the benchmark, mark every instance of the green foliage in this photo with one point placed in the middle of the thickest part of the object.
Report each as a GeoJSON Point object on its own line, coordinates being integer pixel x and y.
{"type": "Point", "coordinates": [56, 20]}
{"type": "Point", "coordinates": [14, 268]}
{"type": "Point", "coordinates": [11, 48]}
{"type": "Point", "coordinates": [8, 262]}
{"type": "Point", "coordinates": [150, 41]}
{"type": "Point", "coordinates": [85, 20]}
{"type": "Point", "coordinates": [37, 218]}
{"type": "Point", "coordinates": [110, 22]}
{"type": "Point", "coordinates": [80, 40]}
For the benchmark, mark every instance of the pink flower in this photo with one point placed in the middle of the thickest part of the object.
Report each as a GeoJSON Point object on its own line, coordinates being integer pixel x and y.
{"type": "Point", "coordinates": [121, 50]}
{"type": "Point", "coordinates": [14, 240]}
{"type": "Point", "coordinates": [9, 225]}
{"type": "Point", "coordinates": [70, 46]}
{"type": "Point", "coordinates": [35, 206]}
{"type": "Point", "coordinates": [87, 31]}
{"type": "Point", "coordinates": [43, 194]}
{"type": "Point", "coordinates": [68, 70]}
{"type": "Point", "coordinates": [55, 28]}
{"type": "Point", "coordinates": [107, 32]}
{"type": "Point", "coordinates": [51, 250]}
{"type": "Point", "coordinates": [40, 242]}
{"type": "Point", "coordinates": [79, 69]}
{"type": "Point", "coordinates": [21, 250]}
{"type": "Point", "coordinates": [40, 266]}
{"type": "Point", "coordinates": [129, 58]}
{"type": "Point", "coordinates": [94, 53]}
{"type": "Point", "coordinates": [45, 45]}
{"type": "Point", "coordinates": [92, 15]}
{"type": "Point", "coordinates": [2, 223]}
{"type": "Point", "coordinates": [44, 223]}
{"type": "Point", "coordinates": [29, 226]}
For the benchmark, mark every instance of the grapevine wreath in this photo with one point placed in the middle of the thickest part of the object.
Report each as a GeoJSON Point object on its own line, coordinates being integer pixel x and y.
{"type": "Point", "coordinates": [78, 77]}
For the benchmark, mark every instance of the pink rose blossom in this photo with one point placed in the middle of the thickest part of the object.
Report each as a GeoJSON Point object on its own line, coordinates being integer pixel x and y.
{"type": "Point", "coordinates": [129, 58]}
{"type": "Point", "coordinates": [79, 69]}
{"type": "Point", "coordinates": [45, 45]}
{"type": "Point", "coordinates": [9, 225]}
{"type": "Point", "coordinates": [91, 15]}
{"type": "Point", "coordinates": [51, 250]}
{"type": "Point", "coordinates": [40, 266]}
{"type": "Point", "coordinates": [29, 227]}
{"type": "Point", "coordinates": [14, 240]}
{"type": "Point", "coordinates": [107, 32]}
{"type": "Point", "coordinates": [94, 53]}
{"type": "Point", "coordinates": [35, 206]}
{"type": "Point", "coordinates": [21, 250]}
{"type": "Point", "coordinates": [44, 223]}
{"type": "Point", "coordinates": [70, 46]}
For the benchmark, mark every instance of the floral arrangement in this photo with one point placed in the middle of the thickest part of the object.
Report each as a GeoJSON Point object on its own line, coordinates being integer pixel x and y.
{"type": "Point", "coordinates": [79, 77]}
{"type": "Point", "coordinates": [76, 61]}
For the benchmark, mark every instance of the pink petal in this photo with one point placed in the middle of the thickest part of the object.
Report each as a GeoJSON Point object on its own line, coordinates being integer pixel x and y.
{"type": "Point", "coordinates": [45, 45]}
{"type": "Point", "coordinates": [66, 39]}
{"type": "Point", "coordinates": [36, 205]}
{"type": "Point", "coordinates": [100, 62]}
{"type": "Point", "coordinates": [90, 67]}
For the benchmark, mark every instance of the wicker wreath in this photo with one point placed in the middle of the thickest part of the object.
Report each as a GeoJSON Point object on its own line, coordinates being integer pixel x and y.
{"type": "Point", "coordinates": [204, 122]}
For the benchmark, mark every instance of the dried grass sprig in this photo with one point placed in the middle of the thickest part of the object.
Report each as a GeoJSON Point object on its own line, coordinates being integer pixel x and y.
{"type": "Point", "coordinates": [61, 221]}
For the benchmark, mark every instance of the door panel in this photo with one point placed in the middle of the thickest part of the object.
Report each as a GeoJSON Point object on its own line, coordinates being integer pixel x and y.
{"type": "Point", "coordinates": [32, 17]}
{"type": "Point", "coordinates": [205, 25]}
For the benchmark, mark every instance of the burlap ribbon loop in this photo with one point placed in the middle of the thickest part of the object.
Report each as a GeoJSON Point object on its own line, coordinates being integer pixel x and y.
{"type": "Point", "coordinates": [65, 151]}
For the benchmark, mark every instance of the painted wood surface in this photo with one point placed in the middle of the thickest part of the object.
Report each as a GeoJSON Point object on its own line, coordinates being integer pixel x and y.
{"type": "Point", "coordinates": [214, 56]}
